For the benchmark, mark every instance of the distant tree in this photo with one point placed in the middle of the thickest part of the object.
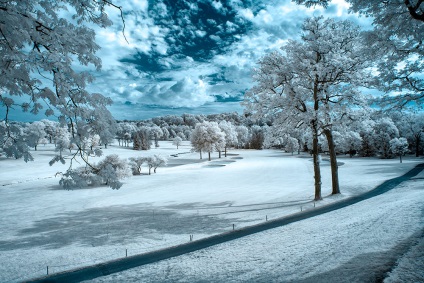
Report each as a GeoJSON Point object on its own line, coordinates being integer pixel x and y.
{"type": "Point", "coordinates": [230, 134]}
{"type": "Point", "coordinates": [177, 141]}
{"type": "Point", "coordinates": [141, 139]}
{"type": "Point", "coordinates": [257, 137]}
{"type": "Point", "coordinates": [384, 131]}
{"type": "Point", "coordinates": [158, 161]}
{"type": "Point", "coordinates": [156, 133]}
{"type": "Point", "coordinates": [62, 140]}
{"type": "Point", "coordinates": [291, 145]}
{"type": "Point", "coordinates": [13, 143]}
{"type": "Point", "coordinates": [136, 164]}
{"type": "Point", "coordinates": [165, 135]}
{"type": "Point", "coordinates": [411, 126]}
{"type": "Point", "coordinates": [208, 137]}
{"type": "Point", "coordinates": [93, 141]}
{"type": "Point", "coordinates": [242, 136]}
{"type": "Point", "coordinates": [399, 146]}
{"type": "Point", "coordinates": [35, 133]}
{"type": "Point", "coordinates": [50, 128]}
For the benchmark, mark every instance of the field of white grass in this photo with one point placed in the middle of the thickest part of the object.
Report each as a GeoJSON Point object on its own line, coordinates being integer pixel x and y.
{"type": "Point", "coordinates": [44, 225]}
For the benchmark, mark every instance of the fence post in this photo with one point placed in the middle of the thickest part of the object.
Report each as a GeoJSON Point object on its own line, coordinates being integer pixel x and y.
{"type": "Point", "coordinates": [47, 270]}
{"type": "Point", "coordinates": [233, 227]}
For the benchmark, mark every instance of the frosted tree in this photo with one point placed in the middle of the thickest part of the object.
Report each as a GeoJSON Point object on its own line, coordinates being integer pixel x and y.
{"type": "Point", "coordinates": [94, 141]}
{"type": "Point", "coordinates": [384, 131]}
{"type": "Point", "coordinates": [313, 83]}
{"type": "Point", "coordinates": [291, 145]}
{"type": "Point", "coordinates": [177, 141]}
{"type": "Point", "coordinates": [230, 135]}
{"type": "Point", "coordinates": [136, 164]}
{"type": "Point", "coordinates": [40, 53]}
{"type": "Point", "coordinates": [158, 161]}
{"type": "Point", "coordinates": [156, 133]}
{"type": "Point", "coordinates": [50, 128]}
{"type": "Point", "coordinates": [13, 142]}
{"type": "Point", "coordinates": [399, 146]}
{"type": "Point", "coordinates": [62, 141]}
{"type": "Point", "coordinates": [242, 136]}
{"type": "Point", "coordinates": [411, 126]}
{"type": "Point", "coordinates": [207, 137]}
{"type": "Point", "coordinates": [107, 172]}
{"type": "Point", "coordinates": [35, 133]}
{"type": "Point", "coordinates": [397, 37]}
{"type": "Point", "coordinates": [141, 139]}
{"type": "Point", "coordinates": [257, 137]}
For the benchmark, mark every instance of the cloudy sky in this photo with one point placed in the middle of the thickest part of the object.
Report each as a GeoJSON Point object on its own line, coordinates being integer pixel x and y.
{"type": "Point", "coordinates": [193, 56]}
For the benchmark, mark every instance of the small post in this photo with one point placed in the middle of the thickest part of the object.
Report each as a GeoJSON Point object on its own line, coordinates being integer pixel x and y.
{"type": "Point", "coordinates": [47, 270]}
{"type": "Point", "coordinates": [233, 227]}
{"type": "Point", "coordinates": [301, 208]}
{"type": "Point", "coordinates": [314, 204]}
{"type": "Point", "coordinates": [126, 252]}
{"type": "Point", "coordinates": [266, 218]}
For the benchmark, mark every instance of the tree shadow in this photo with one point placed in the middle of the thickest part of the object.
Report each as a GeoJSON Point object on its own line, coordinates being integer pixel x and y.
{"type": "Point", "coordinates": [112, 225]}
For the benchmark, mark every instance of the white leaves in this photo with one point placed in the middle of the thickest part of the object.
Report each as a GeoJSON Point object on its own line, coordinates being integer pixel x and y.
{"type": "Point", "coordinates": [399, 146]}
{"type": "Point", "coordinates": [208, 137]}
{"type": "Point", "coordinates": [108, 172]}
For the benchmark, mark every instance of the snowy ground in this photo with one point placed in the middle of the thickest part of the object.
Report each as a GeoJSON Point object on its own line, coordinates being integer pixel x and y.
{"type": "Point", "coordinates": [43, 225]}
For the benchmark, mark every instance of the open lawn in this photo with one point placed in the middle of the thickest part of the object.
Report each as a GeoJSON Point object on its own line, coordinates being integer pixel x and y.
{"type": "Point", "coordinates": [44, 225]}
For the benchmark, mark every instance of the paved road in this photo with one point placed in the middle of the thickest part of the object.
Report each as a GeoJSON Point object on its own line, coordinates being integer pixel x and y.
{"type": "Point", "coordinates": [102, 269]}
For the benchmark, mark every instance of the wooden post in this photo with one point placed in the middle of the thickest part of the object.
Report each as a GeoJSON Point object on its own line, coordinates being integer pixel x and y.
{"type": "Point", "coordinates": [233, 227]}
{"type": "Point", "coordinates": [266, 218]}
{"type": "Point", "coordinates": [47, 270]}
{"type": "Point", "coordinates": [126, 252]}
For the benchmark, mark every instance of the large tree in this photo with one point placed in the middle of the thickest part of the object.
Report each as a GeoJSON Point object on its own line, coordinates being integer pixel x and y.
{"type": "Point", "coordinates": [43, 45]}
{"type": "Point", "coordinates": [312, 84]}
{"type": "Point", "coordinates": [398, 37]}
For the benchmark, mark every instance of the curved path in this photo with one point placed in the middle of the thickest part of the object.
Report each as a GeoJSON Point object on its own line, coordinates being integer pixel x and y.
{"type": "Point", "coordinates": [118, 265]}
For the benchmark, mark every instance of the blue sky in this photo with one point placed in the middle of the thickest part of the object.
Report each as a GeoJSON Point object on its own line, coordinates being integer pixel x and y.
{"type": "Point", "coordinates": [186, 56]}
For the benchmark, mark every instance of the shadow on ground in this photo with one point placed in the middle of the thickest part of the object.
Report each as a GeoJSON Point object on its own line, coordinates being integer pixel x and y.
{"type": "Point", "coordinates": [111, 225]}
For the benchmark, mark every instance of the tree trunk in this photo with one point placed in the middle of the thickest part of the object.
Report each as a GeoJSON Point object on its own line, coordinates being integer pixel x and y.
{"type": "Point", "coordinates": [209, 154]}
{"type": "Point", "coordinates": [333, 162]}
{"type": "Point", "coordinates": [315, 149]}
{"type": "Point", "coordinates": [400, 157]}
{"type": "Point", "coordinates": [219, 154]}
{"type": "Point", "coordinates": [105, 145]}
{"type": "Point", "coordinates": [225, 151]}
{"type": "Point", "coordinates": [317, 170]}
{"type": "Point", "coordinates": [417, 145]}
{"type": "Point", "coordinates": [200, 154]}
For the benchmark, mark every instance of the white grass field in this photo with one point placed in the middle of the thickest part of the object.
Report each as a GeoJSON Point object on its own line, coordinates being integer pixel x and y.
{"type": "Point", "coordinates": [44, 225]}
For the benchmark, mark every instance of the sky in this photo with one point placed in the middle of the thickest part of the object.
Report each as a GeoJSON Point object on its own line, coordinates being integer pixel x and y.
{"type": "Point", "coordinates": [187, 56]}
